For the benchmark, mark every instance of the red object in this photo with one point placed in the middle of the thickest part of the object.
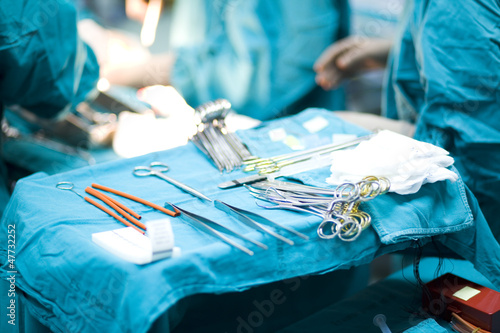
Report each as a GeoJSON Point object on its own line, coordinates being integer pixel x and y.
{"type": "Point", "coordinates": [450, 293]}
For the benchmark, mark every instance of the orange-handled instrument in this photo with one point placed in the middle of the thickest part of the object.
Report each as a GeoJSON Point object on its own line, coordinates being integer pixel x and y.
{"type": "Point", "coordinates": [113, 204]}
{"type": "Point", "coordinates": [137, 199]}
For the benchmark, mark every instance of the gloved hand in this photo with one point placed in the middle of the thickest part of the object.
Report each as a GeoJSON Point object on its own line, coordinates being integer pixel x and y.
{"type": "Point", "coordinates": [350, 57]}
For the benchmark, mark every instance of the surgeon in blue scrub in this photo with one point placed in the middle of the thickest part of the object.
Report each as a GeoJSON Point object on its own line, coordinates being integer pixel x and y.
{"type": "Point", "coordinates": [443, 76]}
{"type": "Point", "coordinates": [258, 54]}
{"type": "Point", "coordinates": [44, 67]}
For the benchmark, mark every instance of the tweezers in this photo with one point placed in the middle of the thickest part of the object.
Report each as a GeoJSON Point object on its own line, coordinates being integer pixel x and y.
{"type": "Point", "coordinates": [206, 225]}
{"type": "Point", "coordinates": [244, 216]}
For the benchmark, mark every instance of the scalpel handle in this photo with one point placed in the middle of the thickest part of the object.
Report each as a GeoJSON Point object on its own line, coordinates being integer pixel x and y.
{"type": "Point", "coordinates": [242, 181]}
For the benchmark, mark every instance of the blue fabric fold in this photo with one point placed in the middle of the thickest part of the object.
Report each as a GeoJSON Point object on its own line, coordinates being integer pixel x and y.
{"type": "Point", "coordinates": [427, 326]}
{"type": "Point", "coordinates": [436, 80]}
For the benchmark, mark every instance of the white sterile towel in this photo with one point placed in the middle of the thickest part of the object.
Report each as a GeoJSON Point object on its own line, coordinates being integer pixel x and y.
{"type": "Point", "coordinates": [406, 162]}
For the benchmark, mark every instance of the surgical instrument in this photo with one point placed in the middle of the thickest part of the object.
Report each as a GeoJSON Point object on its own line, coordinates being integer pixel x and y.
{"type": "Point", "coordinates": [137, 199]}
{"type": "Point", "coordinates": [158, 169]}
{"type": "Point", "coordinates": [339, 208]}
{"type": "Point", "coordinates": [245, 217]}
{"type": "Point", "coordinates": [246, 214]}
{"type": "Point", "coordinates": [113, 204]}
{"type": "Point", "coordinates": [68, 186]}
{"type": "Point", "coordinates": [248, 221]}
{"type": "Point", "coordinates": [213, 138]}
{"type": "Point", "coordinates": [273, 164]}
{"type": "Point", "coordinates": [281, 202]}
{"type": "Point", "coordinates": [380, 321]}
{"type": "Point", "coordinates": [210, 226]}
{"type": "Point", "coordinates": [313, 163]}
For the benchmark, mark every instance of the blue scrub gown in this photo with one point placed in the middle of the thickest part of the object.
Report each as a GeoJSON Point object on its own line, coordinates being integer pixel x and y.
{"type": "Point", "coordinates": [445, 76]}
{"type": "Point", "coordinates": [44, 66]}
{"type": "Point", "coordinates": [258, 54]}
{"type": "Point", "coordinates": [46, 69]}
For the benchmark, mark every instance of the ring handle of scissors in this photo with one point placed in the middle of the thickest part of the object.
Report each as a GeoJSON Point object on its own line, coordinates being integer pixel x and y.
{"type": "Point", "coordinates": [150, 170]}
{"type": "Point", "coordinates": [159, 166]}
{"type": "Point", "coordinates": [142, 171]}
{"type": "Point", "coordinates": [351, 229]}
{"type": "Point", "coordinates": [65, 185]}
{"type": "Point", "coordinates": [68, 186]}
{"type": "Point", "coordinates": [331, 224]}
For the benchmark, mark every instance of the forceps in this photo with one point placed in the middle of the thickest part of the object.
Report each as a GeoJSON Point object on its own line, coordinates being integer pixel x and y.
{"type": "Point", "coordinates": [334, 224]}
{"type": "Point", "coordinates": [210, 226]}
{"type": "Point", "coordinates": [158, 169]}
{"type": "Point", "coordinates": [246, 217]}
{"type": "Point", "coordinates": [338, 208]}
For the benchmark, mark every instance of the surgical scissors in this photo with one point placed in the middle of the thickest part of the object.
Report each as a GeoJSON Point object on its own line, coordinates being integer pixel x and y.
{"type": "Point", "coordinates": [338, 208]}
{"type": "Point", "coordinates": [158, 169]}
{"type": "Point", "coordinates": [335, 224]}
{"type": "Point", "coordinates": [68, 186]}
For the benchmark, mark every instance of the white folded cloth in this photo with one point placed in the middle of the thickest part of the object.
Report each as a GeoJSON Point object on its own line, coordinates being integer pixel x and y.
{"type": "Point", "coordinates": [406, 162]}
